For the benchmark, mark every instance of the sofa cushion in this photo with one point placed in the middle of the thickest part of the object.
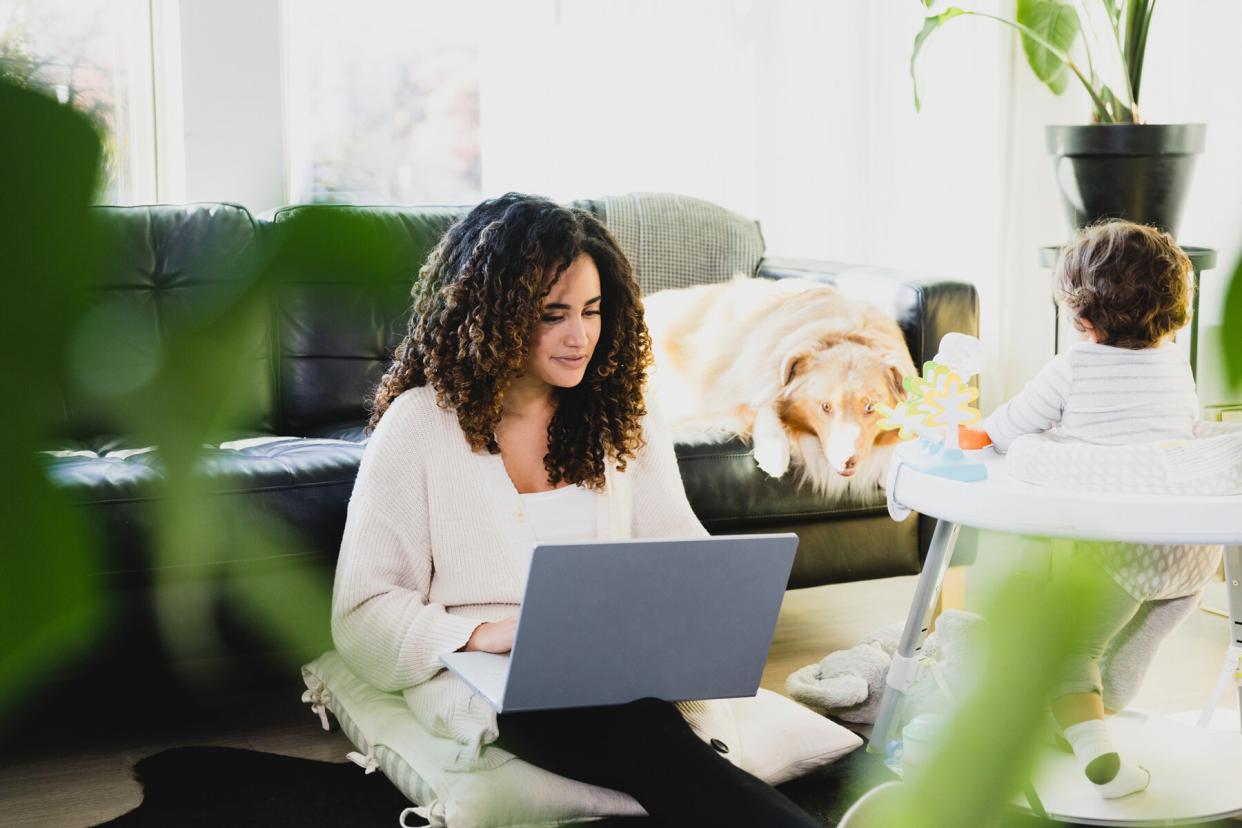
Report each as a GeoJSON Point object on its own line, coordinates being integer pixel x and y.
{"type": "Point", "coordinates": [342, 303]}
{"type": "Point", "coordinates": [303, 484]}
{"type": "Point", "coordinates": [724, 483]}
{"type": "Point", "coordinates": [167, 268]}
{"type": "Point", "coordinates": [844, 536]}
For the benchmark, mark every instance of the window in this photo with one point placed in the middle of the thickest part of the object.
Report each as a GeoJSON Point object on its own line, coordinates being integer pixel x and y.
{"type": "Point", "coordinates": [94, 55]}
{"type": "Point", "coordinates": [382, 100]}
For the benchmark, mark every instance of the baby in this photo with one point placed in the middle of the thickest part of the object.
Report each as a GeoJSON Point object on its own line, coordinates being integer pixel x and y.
{"type": "Point", "coordinates": [1127, 287]}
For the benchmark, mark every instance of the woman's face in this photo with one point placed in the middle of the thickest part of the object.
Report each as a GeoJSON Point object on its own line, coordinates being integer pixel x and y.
{"type": "Point", "coordinates": [567, 332]}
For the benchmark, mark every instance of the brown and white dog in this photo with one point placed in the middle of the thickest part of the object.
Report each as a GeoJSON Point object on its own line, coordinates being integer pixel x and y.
{"type": "Point", "coordinates": [792, 364]}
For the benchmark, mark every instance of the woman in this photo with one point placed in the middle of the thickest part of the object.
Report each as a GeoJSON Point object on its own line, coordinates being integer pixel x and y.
{"type": "Point", "coordinates": [513, 412]}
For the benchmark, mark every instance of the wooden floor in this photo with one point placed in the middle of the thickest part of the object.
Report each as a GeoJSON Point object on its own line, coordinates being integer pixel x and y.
{"type": "Point", "coordinates": [58, 786]}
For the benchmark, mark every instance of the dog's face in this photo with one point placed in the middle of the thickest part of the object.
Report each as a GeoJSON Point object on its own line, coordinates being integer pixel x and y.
{"type": "Point", "coordinates": [832, 393]}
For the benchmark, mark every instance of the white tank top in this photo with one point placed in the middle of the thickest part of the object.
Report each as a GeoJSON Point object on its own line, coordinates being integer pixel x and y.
{"type": "Point", "coordinates": [564, 514]}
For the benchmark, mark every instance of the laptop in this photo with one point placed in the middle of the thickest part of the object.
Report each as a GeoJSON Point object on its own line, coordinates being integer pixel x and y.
{"type": "Point", "coordinates": [609, 622]}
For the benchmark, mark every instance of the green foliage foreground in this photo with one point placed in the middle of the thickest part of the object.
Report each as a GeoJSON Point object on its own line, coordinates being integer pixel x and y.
{"type": "Point", "coordinates": [53, 606]}
{"type": "Point", "coordinates": [50, 595]}
{"type": "Point", "coordinates": [196, 384]}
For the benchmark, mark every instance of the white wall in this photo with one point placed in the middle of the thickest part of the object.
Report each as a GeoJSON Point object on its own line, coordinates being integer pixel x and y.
{"type": "Point", "coordinates": [849, 170]}
{"type": "Point", "coordinates": [796, 112]}
{"type": "Point", "coordinates": [231, 82]}
{"type": "Point", "coordinates": [1033, 218]}
{"type": "Point", "coordinates": [594, 97]}
{"type": "Point", "coordinates": [1191, 74]}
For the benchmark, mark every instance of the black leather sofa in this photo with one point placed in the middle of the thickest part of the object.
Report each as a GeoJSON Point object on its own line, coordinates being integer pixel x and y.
{"type": "Point", "coordinates": [328, 337]}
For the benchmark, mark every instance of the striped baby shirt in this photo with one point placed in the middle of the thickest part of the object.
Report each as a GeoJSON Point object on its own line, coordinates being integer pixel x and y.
{"type": "Point", "coordinates": [1103, 395]}
{"type": "Point", "coordinates": [1112, 396]}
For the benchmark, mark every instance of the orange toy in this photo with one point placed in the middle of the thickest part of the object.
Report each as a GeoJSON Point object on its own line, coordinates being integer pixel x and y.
{"type": "Point", "coordinates": [972, 438]}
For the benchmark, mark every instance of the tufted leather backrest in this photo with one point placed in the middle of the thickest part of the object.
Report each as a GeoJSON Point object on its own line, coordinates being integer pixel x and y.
{"type": "Point", "coordinates": [165, 269]}
{"type": "Point", "coordinates": [342, 304]}
{"type": "Point", "coordinates": [339, 277]}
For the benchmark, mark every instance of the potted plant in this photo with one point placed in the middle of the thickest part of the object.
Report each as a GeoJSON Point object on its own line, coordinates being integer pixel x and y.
{"type": "Point", "coordinates": [1117, 166]}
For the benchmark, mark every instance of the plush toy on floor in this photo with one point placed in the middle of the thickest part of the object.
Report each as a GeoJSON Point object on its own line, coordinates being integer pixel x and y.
{"type": "Point", "coordinates": [849, 684]}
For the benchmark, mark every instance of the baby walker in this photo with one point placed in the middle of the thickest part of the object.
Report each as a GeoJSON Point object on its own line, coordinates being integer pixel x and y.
{"type": "Point", "coordinates": [1196, 767]}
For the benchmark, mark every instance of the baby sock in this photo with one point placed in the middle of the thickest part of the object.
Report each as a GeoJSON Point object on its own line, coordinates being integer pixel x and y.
{"type": "Point", "coordinates": [1101, 763]}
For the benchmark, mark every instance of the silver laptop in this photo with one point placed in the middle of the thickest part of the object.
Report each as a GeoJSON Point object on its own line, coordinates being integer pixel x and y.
{"type": "Point", "coordinates": [608, 622]}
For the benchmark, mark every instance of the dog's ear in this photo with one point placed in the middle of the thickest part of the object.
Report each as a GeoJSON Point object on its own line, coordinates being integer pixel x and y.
{"type": "Point", "coordinates": [896, 382]}
{"type": "Point", "coordinates": [900, 366]}
{"type": "Point", "coordinates": [791, 364]}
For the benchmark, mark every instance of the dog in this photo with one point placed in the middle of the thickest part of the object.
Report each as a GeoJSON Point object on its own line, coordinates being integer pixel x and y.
{"type": "Point", "coordinates": [792, 364]}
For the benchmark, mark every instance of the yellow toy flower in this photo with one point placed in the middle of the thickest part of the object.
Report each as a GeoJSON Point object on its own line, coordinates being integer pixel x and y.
{"type": "Point", "coordinates": [935, 376]}
{"type": "Point", "coordinates": [906, 418]}
{"type": "Point", "coordinates": [952, 406]}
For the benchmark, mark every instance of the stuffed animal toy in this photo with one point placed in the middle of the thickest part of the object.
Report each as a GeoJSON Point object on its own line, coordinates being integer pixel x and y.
{"type": "Point", "coordinates": [948, 663]}
{"type": "Point", "coordinates": [848, 684]}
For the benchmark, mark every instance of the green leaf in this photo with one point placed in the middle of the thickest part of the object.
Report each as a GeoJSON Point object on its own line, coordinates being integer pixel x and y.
{"type": "Point", "coordinates": [52, 599]}
{"type": "Point", "coordinates": [1057, 22]}
{"type": "Point", "coordinates": [994, 730]}
{"type": "Point", "coordinates": [1113, 7]}
{"type": "Point", "coordinates": [1138, 22]}
{"type": "Point", "coordinates": [930, 24]}
{"type": "Point", "coordinates": [1231, 328]}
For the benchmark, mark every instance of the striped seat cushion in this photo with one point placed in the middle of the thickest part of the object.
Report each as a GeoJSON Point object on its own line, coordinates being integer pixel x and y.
{"type": "Point", "coordinates": [773, 738]}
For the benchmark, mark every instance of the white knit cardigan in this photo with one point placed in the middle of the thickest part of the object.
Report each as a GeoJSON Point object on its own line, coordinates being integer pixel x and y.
{"type": "Point", "coordinates": [436, 542]}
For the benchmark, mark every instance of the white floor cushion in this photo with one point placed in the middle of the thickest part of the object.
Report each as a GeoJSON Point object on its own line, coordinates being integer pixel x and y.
{"type": "Point", "coordinates": [770, 736]}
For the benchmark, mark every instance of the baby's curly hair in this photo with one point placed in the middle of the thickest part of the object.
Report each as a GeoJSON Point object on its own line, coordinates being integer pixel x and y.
{"type": "Point", "coordinates": [477, 301]}
{"type": "Point", "coordinates": [1129, 281]}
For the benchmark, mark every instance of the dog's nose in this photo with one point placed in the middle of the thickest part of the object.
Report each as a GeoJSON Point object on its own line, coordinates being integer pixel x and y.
{"type": "Point", "coordinates": [851, 463]}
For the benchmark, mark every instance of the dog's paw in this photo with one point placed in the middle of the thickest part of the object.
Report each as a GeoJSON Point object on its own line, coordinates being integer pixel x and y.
{"type": "Point", "coordinates": [772, 456]}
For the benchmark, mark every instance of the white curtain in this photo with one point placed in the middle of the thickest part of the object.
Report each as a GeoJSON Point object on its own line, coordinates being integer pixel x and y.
{"type": "Point", "coordinates": [848, 170]}
{"type": "Point", "coordinates": [592, 97]}
{"type": "Point", "coordinates": [800, 113]}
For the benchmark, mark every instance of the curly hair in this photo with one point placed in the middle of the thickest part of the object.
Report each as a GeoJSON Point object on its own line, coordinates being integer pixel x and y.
{"type": "Point", "coordinates": [1129, 281]}
{"type": "Point", "coordinates": [476, 304]}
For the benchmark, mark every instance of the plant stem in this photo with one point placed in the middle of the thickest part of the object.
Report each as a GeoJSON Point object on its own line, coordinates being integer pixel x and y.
{"type": "Point", "coordinates": [1101, 108]}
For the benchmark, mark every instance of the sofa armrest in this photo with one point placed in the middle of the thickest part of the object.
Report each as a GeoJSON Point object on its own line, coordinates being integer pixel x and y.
{"type": "Point", "coordinates": [924, 306]}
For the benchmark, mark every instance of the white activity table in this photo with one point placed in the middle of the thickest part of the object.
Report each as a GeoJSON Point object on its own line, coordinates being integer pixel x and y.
{"type": "Point", "coordinates": [1196, 771]}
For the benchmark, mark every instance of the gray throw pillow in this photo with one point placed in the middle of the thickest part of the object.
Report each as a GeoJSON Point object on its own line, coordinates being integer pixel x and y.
{"type": "Point", "coordinates": [675, 241]}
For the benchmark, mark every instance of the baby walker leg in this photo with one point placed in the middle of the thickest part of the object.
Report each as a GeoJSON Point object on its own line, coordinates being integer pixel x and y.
{"type": "Point", "coordinates": [1232, 667]}
{"type": "Point", "coordinates": [905, 660]}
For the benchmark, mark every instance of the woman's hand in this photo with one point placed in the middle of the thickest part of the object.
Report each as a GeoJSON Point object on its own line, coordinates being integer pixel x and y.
{"type": "Point", "coordinates": [492, 637]}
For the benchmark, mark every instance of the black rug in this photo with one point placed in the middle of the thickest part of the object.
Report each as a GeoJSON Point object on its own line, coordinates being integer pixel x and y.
{"type": "Point", "coordinates": [219, 787]}
{"type": "Point", "coordinates": [210, 786]}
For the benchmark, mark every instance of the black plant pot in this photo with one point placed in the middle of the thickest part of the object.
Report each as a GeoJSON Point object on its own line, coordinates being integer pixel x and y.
{"type": "Point", "coordinates": [1139, 172]}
